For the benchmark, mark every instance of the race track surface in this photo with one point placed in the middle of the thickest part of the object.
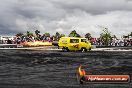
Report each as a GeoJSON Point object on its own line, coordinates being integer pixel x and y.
{"type": "Point", "coordinates": [56, 69]}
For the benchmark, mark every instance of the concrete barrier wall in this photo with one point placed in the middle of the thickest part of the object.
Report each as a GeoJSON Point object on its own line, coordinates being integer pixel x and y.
{"type": "Point", "coordinates": [8, 45]}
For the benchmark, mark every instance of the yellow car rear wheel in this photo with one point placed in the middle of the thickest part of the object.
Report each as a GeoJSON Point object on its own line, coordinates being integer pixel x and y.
{"type": "Point", "coordinates": [65, 49]}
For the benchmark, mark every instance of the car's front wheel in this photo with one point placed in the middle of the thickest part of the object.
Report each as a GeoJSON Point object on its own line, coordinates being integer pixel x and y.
{"type": "Point", "coordinates": [89, 49]}
{"type": "Point", "coordinates": [83, 49]}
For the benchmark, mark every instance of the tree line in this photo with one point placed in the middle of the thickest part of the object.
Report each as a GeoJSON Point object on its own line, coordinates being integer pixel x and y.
{"type": "Point", "coordinates": [105, 36]}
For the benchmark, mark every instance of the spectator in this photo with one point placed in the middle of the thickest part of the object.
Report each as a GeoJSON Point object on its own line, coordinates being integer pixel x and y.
{"type": "Point", "coordinates": [9, 41]}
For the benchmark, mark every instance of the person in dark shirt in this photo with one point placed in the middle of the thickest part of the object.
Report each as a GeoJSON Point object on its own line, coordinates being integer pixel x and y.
{"type": "Point", "coordinates": [9, 41]}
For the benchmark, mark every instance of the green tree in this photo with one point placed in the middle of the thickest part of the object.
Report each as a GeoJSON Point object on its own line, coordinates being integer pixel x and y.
{"type": "Point", "coordinates": [29, 33]}
{"type": "Point", "coordinates": [62, 35]}
{"type": "Point", "coordinates": [74, 34]}
{"type": "Point", "coordinates": [47, 34]}
{"type": "Point", "coordinates": [105, 36]}
{"type": "Point", "coordinates": [19, 34]}
{"type": "Point", "coordinates": [130, 34]}
{"type": "Point", "coordinates": [88, 36]}
{"type": "Point", "coordinates": [37, 33]}
{"type": "Point", "coordinates": [57, 36]}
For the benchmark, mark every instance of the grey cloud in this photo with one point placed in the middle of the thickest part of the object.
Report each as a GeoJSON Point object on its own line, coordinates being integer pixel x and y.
{"type": "Point", "coordinates": [95, 6]}
{"type": "Point", "coordinates": [44, 9]}
{"type": "Point", "coordinates": [64, 16]}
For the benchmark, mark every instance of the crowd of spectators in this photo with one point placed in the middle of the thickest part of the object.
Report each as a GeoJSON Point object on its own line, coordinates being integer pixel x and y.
{"type": "Point", "coordinates": [112, 42]}
{"type": "Point", "coordinates": [94, 41]}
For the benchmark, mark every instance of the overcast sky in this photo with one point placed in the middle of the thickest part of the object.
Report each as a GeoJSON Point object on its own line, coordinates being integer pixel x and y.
{"type": "Point", "coordinates": [66, 15]}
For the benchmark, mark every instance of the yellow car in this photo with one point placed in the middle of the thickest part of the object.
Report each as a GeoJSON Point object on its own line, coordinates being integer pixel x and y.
{"type": "Point", "coordinates": [74, 44]}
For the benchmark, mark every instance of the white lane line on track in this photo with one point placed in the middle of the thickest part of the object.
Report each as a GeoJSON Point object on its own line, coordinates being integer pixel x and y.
{"type": "Point", "coordinates": [30, 49]}
{"type": "Point", "coordinates": [56, 49]}
{"type": "Point", "coordinates": [110, 49]}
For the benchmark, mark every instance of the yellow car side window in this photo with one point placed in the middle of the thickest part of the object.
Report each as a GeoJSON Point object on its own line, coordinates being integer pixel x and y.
{"type": "Point", "coordinates": [74, 40]}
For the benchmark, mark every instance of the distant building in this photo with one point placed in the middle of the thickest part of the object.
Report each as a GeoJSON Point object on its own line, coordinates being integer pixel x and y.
{"type": "Point", "coordinates": [3, 39]}
{"type": "Point", "coordinates": [7, 37]}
